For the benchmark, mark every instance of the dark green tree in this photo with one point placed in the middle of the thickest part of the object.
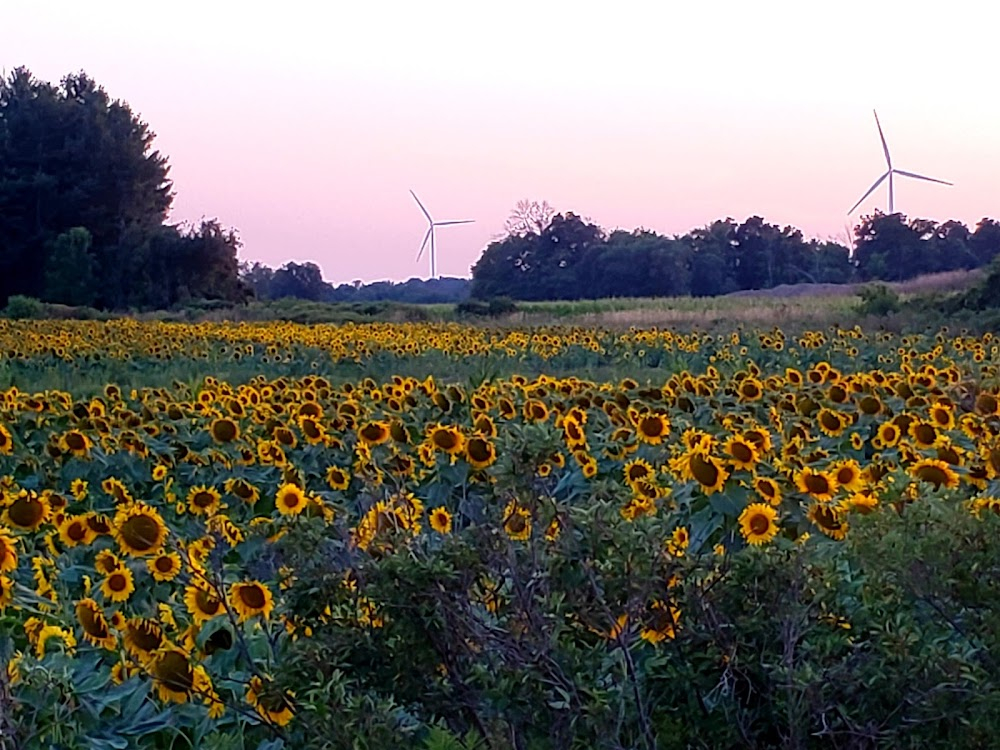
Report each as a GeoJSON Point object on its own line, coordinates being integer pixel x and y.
{"type": "Point", "coordinates": [69, 269]}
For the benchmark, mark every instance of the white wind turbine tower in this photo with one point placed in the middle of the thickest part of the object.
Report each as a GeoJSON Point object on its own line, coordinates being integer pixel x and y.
{"type": "Point", "coordinates": [430, 234]}
{"type": "Point", "coordinates": [890, 171]}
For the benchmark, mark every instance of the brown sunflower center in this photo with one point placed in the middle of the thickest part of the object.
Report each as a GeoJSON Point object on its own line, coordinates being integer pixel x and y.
{"type": "Point", "coordinates": [118, 582]}
{"type": "Point", "coordinates": [252, 596]}
{"type": "Point", "coordinates": [445, 439]}
{"type": "Point", "coordinates": [704, 471]}
{"type": "Point", "coordinates": [91, 620]}
{"type": "Point", "coordinates": [164, 564]}
{"type": "Point", "coordinates": [207, 603]}
{"type": "Point", "coordinates": [759, 524]}
{"type": "Point", "coordinates": [145, 636]}
{"type": "Point", "coordinates": [26, 512]}
{"type": "Point", "coordinates": [817, 484]}
{"type": "Point", "coordinates": [224, 430]}
{"type": "Point", "coordinates": [141, 532]}
{"type": "Point", "coordinates": [741, 452]}
{"type": "Point", "coordinates": [174, 671]}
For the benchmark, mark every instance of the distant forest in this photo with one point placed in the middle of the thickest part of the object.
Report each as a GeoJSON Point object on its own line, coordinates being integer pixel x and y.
{"type": "Point", "coordinates": [84, 200]}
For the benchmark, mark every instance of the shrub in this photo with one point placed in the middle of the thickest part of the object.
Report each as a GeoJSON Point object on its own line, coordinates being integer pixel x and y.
{"type": "Point", "coordinates": [877, 299]}
{"type": "Point", "coordinates": [20, 307]}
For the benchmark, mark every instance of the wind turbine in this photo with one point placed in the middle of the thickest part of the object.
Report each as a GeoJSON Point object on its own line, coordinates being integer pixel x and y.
{"type": "Point", "coordinates": [889, 173]}
{"type": "Point", "coordinates": [430, 234]}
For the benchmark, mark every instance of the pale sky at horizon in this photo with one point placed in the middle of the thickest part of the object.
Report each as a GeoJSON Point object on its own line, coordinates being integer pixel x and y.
{"type": "Point", "coordinates": [305, 127]}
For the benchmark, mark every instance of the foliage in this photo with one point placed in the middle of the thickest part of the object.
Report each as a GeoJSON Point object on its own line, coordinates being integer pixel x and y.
{"type": "Point", "coordinates": [877, 299]}
{"type": "Point", "coordinates": [493, 307]}
{"type": "Point", "coordinates": [20, 307]}
{"type": "Point", "coordinates": [83, 201]}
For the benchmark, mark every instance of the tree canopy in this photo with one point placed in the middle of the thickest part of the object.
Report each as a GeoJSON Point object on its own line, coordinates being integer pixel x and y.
{"type": "Point", "coordinates": [84, 200]}
{"type": "Point", "coordinates": [570, 258]}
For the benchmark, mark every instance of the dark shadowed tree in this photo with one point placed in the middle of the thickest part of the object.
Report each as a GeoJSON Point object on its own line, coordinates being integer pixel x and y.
{"type": "Point", "coordinates": [528, 217]}
{"type": "Point", "coordinates": [69, 269]}
{"type": "Point", "coordinates": [301, 280]}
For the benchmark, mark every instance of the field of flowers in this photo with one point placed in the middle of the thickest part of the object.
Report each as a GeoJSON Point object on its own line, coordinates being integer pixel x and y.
{"type": "Point", "coordinates": [257, 551]}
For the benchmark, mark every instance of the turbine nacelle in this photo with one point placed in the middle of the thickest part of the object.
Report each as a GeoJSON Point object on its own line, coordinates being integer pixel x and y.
{"type": "Point", "coordinates": [890, 171]}
{"type": "Point", "coordinates": [429, 237]}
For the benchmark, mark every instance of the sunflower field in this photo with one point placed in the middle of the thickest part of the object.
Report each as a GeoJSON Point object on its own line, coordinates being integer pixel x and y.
{"type": "Point", "coordinates": [447, 536]}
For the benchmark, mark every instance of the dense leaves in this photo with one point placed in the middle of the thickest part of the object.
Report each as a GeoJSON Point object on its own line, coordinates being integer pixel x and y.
{"type": "Point", "coordinates": [83, 203]}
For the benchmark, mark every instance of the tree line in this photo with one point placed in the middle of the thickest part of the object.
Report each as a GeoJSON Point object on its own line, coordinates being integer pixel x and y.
{"type": "Point", "coordinates": [84, 200]}
{"type": "Point", "coordinates": [562, 256]}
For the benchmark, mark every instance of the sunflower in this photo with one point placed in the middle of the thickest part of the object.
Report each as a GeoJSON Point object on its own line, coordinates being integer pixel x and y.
{"type": "Point", "coordinates": [480, 452]}
{"type": "Point", "coordinates": [8, 552]}
{"type": "Point", "coordinates": [202, 500]}
{"type": "Point", "coordinates": [243, 490]}
{"type": "Point", "coordinates": [290, 500]}
{"type": "Point", "coordinates": [574, 434]}
{"type": "Point", "coordinates": [106, 562]}
{"type": "Point", "coordinates": [819, 484]}
{"type": "Point", "coordinates": [742, 454]}
{"type": "Point", "coordinates": [6, 441]}
{"type": "Point", "coordinates": [139, 529]}
{"type": "Point", "coordinates": [534, 410]}
{"type": "Point", "coordinates": [6, 592]}
{"type": "Point", "coordinates": [142, 637]}
{"type": "Point", "coordinates": [757, 523]}
{"type": "Point", "coordinates": [768, 489]}
{"type": "Point", "coordinates": [78, 489]}
{"type": "Point", "coordinates": [74, 530]}
{"type": "Point", "coordinates": [94, 624]}
{"type": "Point", "coordinates": [159, 473]}
{"type": "Point", "coordinates": [28, 511]}
{"type": "Point", "coordinates": [678, 542]}
{"type": "Point", "coordinates": [660, 622]}
{"type": "Point", "coordinates": [165, 566]}
{"type": "Point", "coordinates": [202, 604]}
{"type": "Point", "coordinates": [935, 472]}
{"type": "Point", "coordinates": [374, 433]}
{"type": "Point", "coordinates": [446, 438]}
{"type": "Point", "coordinates": [831, 423]}
{"type": "Point", "coordinates": [705, 469]}
{"type": "Point", "coordinates": [517, 521]}
{"type": "Point", "coordinates": [75, 443]}
{"type": "Point", "coordinates": [651, 428]}
{"type": "Point", "coordinates": [118, 585]}
{"type": "Point", "coordinates": [848, 474]}
{"type": "Point", "coordinates": [117, 490]}
{"type": "Point", "coordinates": [337, 478]}
{"type": "Point", "coordinates": [274, 705]}
{"type": "Point", "coordinates": [440, 520]}
{"type": "Point", "coordinates": [638, 470]}
{"type": "Point", "coordinates": [176, 679]}
{"type": "Point", "coordinates": [887, 436]}
{"type": "Point", "coordinates": [750, 389]}
{"type": "Point", "coordinates": [224, 430]}
{"type": "Point", "coordinates": [312, 430]}
{"type": "Point", "coordinates": [828, 519]}
{"type": "Point", "coordinates": [250, 599]}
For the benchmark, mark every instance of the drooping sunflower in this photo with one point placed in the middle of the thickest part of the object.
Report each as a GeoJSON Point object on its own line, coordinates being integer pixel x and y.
{"type": "Point", "coordinates": [638, 470]}
{"type": "Point", "coordinates": [139, 529]}
{"type": "Point", "coordinates": [202, 604]}
{"type": "Point", "coordinates": [517, 521]}
{"type": "Point", "coordinates": [290, 500]}
{"type": "Point", "coordinates": [175, 677]}
{"type": "Point", "coordinates": [312, 430]}
{"type": "Point", "coordinates": [440, 520]}
{"type": "Point", "coordinates": [74, 530]}
{"type": "Point", "coordinates": [820, 485]}
{"type": "Point", "coordinates": [165, 566]}
{"type": "Point", "coordinates": [224, 430]}
{"type": "Point", "coordinates": [338, 478]}
{"type": "Point", "coordinates": [6, 592]}
{"type": "Point", "coordinates": [534, 410]}
{"type": "Point", "coordinates": [678, 542]}
{"type": "Point", "coordinates": [446, 438]}
{"type": "Point", "coordinates": [94, 624]}
{"type": "Point", "coordinates": [118, 585]}
{"type": "Point", "coordinates": [78, 488]}
{"type": "Point", "coordinates": [203, 500]}
{"type": "Point", "coordinates": [374, 433]}
{"type": "Point", "coordinates": [8, 552]}
{"type": "Point", "coordinates": [142, 637]}
{"type": "Point", "coordinates": [243, 490]}
{"type": "Point", "coordinates": [660, 622]}
{"type": "Point", "coordinates": [274, 705]}
{"type": "Point", "coordinates": [76, 443]}
{"type": "Point", "coordinates": [704, 468]}
{"type": "Point", "coordinates": [28, 511]}
{"type": "Point", "coordinates": [117, 489]}
{"type": "Point", "coordinates": [758, 523]}
{"type": "Point", "coordinates": [831, 423]}
{"type": "Point", "coordinates": [574, 434]}
{"type": "Point", "coordinates": [250, 599]}
{"type": "Point", "coordinates": [6, 441]}
{"type": "Point", "coordinates": [935, 472]}
{"type": "Point", "coordinates": [829, 519]}
{"type": "Point", "coordinates": [741, 453]}
{"type": "Point", "coordinates": [480, 452]}
{"type": "Point", "coordinates": [768, 489]}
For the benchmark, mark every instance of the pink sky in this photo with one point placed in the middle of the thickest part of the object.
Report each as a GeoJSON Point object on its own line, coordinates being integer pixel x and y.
{"type": "Point", "coordinates": [305, 127]}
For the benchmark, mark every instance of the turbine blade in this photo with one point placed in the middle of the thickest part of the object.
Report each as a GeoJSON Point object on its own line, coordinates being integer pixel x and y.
{"type": "Point", "coordinates": [871, 190]}
{"type": "Point", "coordinates": [920, 177]}
{"type": "Point", "coordinates": [423, 245]}
{"type": "Point", "coordinates": [422, 207]}
{"type": "Point", "coordinates": [885, 147]}
{"type": "Point", "coordinates": [450, 223]}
